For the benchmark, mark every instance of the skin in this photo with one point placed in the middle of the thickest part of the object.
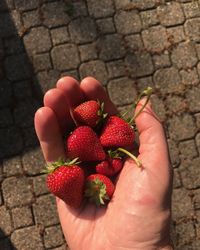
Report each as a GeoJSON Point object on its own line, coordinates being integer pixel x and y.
{"type": "Point", "coordinates": [139, 213]}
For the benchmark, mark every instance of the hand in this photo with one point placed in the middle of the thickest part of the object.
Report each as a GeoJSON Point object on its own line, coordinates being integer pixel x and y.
{"type": "Point", "coordinates": [138, 216]}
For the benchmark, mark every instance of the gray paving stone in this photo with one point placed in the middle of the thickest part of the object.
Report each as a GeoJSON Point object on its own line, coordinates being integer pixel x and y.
{"type": "Point", "coordinates": [33, 42]}
{"type": "Point", "coordinates": [149, 18]}
{"type": "Point", "coordinates": [159, 107]}
{"type": "Point", "coordinates": [26, 5]}
{"type": "Point", "coordinates": [6, 5]}
{"type": "Point", "coordinates": [17, 67]}
{"type": "Point", "coordinates": [191, 9]}
{"type": "Point", "coordinates": [42, 62]}
{"type": "Point", "coordinates": [29, 137]}
{"type": "Point", "coordinates": [108, 45]}
{"type": "Point", "coordinates": [184, 56]}
{"type": "Point", "coordinates": [102, 9]}
{"type": "Point", "coordinates": [12, 166]}
{"type": "Point", "coordinates": [96, 69]}
{"type": "Point", "coordinates": [197, 139]}
{"type": "Point", "coordinates": [176, 104]}
{"type": "Point", "coordinates": [185, 232]}
{"type": "Point", "coordinates": [79, 9]}
{"type": "Point", "coordinates": [105, 25]}
{"type": "Point", "coordinates": [197, 45]}
{"type": "Point", "coordinates": [167, 80]}
{"type": "Point", "coordinates": [182, 127]}
{"type": "Point", "coordinates": [176, 179]}
{"type": "Point", "coordinates": [13, 45]}
{"type": "Point", "coordinates": [53, 236]}
{"type": "Point", "coordinates": [72, 73]}
{"type": "Point", "coordinates": [188, 149]}
{"type": "Point", "coordinates": [22, 90]}
{"type": "Point", "coordinates": [5, 222]}
{"type": "Point", "coordinates": [175, 35]}
{"type": "Point", "coordinates": [55, 14]}
{"type": "Point", "coordinates": [151, 41]}
{"type": "Point", "coordinates": [193, 100]}
{"type": "Point", "coordinates": [31, 18]}
{"type": "Point", "coordinates": [28, 238]}
{"type": "Point", "coordinates": [192, 27]}
{"type": "Point", "coordinates": [174, 152]}
{"type": "Point", "coordinates": [129, 4]}
{"type": "Point", "coordinates": [126, 87]}
{"type": "Point", "coordinates": [127, 22]}
{"type": "Point", "coordinates": [139, 64]}
{"type": "Point", "coordinates": [116, 68]}
{"type": "Point", "coordinates": [189, 77]}
{"type": "Point", "coordinates": [17, 191]}
{"type": "Point", "coordinates": [133, 43]}
{"type": "Point", "coordinates": [22, 217]}
{"type": "Point", "coordinates": [65, 57]}
{"type": "Point", "coordinates": [88, 52]}
{"type": "Point", "coordinates": [63, 247]}
{"type": "Point", "coordinates": [162, 60]}
{"type": "Point", "coordinates": [83, 30]}
{"type": "Point", "coordinates": [16, 19]}
{"type": "Point", "coordinates": [170, 14]}
{"type": "Point", "coordinates": [6, 25]}
{"type": "Point", "coordinates": [6, 118]}
{"type": "Point", "coordinates": [39, 185]}
{"type": "Point", "coordinates": [197, 118]}
{"type": "Point", "coordinates": [33, 161]}
{"type": "Point", "coordinates": [60, 35]}
{"type": "Point", "coordinates": [44, 210]}
{"type": "Point", "coordinates": [196, 199]}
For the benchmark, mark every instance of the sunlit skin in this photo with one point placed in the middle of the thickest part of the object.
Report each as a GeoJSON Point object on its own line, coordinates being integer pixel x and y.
{"type": "Point", "coordinates": [138, 215]}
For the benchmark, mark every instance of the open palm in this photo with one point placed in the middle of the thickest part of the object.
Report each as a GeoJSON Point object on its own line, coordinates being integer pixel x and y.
{"type": "Point", "coordinates": [138, 216]}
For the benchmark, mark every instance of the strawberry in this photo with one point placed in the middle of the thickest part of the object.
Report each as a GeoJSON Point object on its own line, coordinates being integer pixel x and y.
{"type": "Point", "coordinates": [84, 144]}
{"type": "Point", "coordinates": [66, 181]}
{"type": "Point", "coordinates": [99, 188]}
{"type": "Point", "coordinates": [110, 166]}
{"type": "Point", "coordinates": [89, 113]}
{"type": "Point", "coordinates": [116, 133]}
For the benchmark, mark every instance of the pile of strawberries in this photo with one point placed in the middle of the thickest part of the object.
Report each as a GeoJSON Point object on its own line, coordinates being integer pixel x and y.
{"type": "Point", "coordinates": [96, 149]}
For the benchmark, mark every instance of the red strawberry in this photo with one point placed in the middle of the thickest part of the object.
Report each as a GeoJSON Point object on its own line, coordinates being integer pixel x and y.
{"type": "Point", "coordinates": [89, 113]}
{"type": "Point", "coordinates": [116, 133]}
{"type": "Point", "coordinates": [84, 144]}
{"type": "Point", "coordinates": [99, 188]}
{"type": "Point", "coordinates": [110, 166]}
{"type": "Point", "coordinates": [66, 181]}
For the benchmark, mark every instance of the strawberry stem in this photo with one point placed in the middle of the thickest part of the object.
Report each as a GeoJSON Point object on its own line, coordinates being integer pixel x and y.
{"type": "Point", "coordinates": [138, 162]}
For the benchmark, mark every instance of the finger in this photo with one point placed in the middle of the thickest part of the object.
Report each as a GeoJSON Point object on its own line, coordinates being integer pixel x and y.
{"type": "Point", "coordinates": [93, 90]}
{"type": "Point", "coordinates": [49, 134]}
{"type": "Point", "coordinates": [55, 99]}
{"type": "Point", "coordinates": [71, 89]}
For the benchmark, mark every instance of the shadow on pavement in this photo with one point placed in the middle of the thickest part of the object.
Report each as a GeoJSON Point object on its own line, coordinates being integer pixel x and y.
{"type": "Point", "coordinates": [5, 243]}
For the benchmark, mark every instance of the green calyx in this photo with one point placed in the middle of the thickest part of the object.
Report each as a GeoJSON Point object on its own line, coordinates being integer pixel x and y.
{"type": "Point", "coordinates": [96, 192]}
{"type": "Point", "coordinates": [51, 167]}
{"type": "Point", "coordinates": [102, 115]}
{"type": "Point", "coordinates": [114, 154]}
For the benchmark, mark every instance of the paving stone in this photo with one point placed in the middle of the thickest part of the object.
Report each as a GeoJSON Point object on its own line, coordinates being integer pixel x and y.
{"type": "Point", "coordinates": [29, 137]}
{"type": "Point", "coordinates": [6, 5]}
{"type": "Point", "coordinates": [96, 69]}
{"type": "Point", "coordinates": [33, 161]}
{"type": "Point", "coordinates": [193, 100]}
{"type": "Point", "coordinates": [158, 107]}
{"type": "Point", "coordinates": [127, 22]}
{"type": "Point", "coordinates": [33, 42]}
{"type": "Point", "coordinates": [189, 77]}
{"type": "Point", "coordinates": [60, 35]}
{"type": "Point", "coordinates": [53, 236]}
{"type": "Point", "coordinates": [17, 191]}
{"type": "Point", "coordinates": [188, 149]}
{"type": "Point", "coordinates": [12, 166]}
{"type": "Point", "coordinates": [6, 118]}
{"type": "Point", "coordinates": [79, 9]}
{"type": "Point", "coordinates": [162, 60]}
{"type": "Point", "coordinates": [65, 57]}
{"type": "Point", "coordinates": [176, 104]}
{"type": "Point", "coordinates": [63, 247]}
{"type": "Point", "coordinates": [149, 18]}
{"type": "Point", "coordinates": [22, 90]}
{"type": "Point", "coordinates": [143, 83]}
{"type": "Point", "coordinates": [6, 25]}
{"type": "Point", "coordinates": [176, 35]}
{"type": "Point", "coordinates": [5, 222]}
{"type": "Point", "coordinates": [116, 69]}
{"type": "Point", "coordinates": [83, 30]}
{"type": "Point", "coordinates": [24, 113]}
{"type": "Point", "coordinates": [181, 204]}
{"type": "Point", "coordinates": [39, 185]}
{"type": "Point", "coordinates": [126, 87]}
{"type": "Point", "coordinates": [197, 118]}
{"type": "Point", "coordinates": [12, 142]}
{"type": "Point", "coordinates": [55, 14]}
{"type": "Point", "coordinates": [45, 212]}
{"type": "Point", "coordinates": [129, 4]}
{"type": "Point", "coordinates": [28, 238]}
{"type": "Point", "coordinates": [192, 27]}
{"type": "Point", "coordinates": [88, 52]}
{"type": "Point", "coordinates": [184, 56]}
{"type": "Point", "coordinates": [151, 41]}
{"type": "Point", "coordinates": [198, 141]}
{"type": "Point", "coordinates": [1, 199]}
{"type": "Point", "coordinates": [176, 179]}
{"type": "Point", "coordinates": [196, 199]}
{"type": "Point", "coordinates": [197, 45]}
{"type": "Point", "coordinates": [105, 25]}
{"type": "Point", "coordinates": [13, 45]}
{"type": "Point", "coordinates": [191, 9]}
{"type": "Point", "coordinates": [139, 64]}
{"type": "Point", "coordinates": [26, 5]}
{"type": "Point", "coordinates": [174, 152]}
{"type": "Point", "coordinates": [133, 43]}
{"type": "Point", "coordinates": [31, 18]}
{"type": "Point", "coordinates": [108, 45]}
{"type": "Point", "coordinates": [17, 67]}
{"type": "Point", "coordinates": [16, 19]}
{"type": "Point", "coordinates": [102, 9]}
{"type": "Point", "coordinates": [42, 62]}
{"type": "Point", "coordinates": [72, 73]}
{"type": "Point", "coordinates": [170, 14]}
{"type": "Point", "coordinates": [22, 217]}
{"type": "Point", "coordinates": [5, 244]}
{"type": "Point", "coordinates": [185, 232]}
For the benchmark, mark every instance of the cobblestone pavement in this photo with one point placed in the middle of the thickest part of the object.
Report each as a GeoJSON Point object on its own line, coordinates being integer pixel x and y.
{"type": "Point", "coordinates": [127, 45]}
